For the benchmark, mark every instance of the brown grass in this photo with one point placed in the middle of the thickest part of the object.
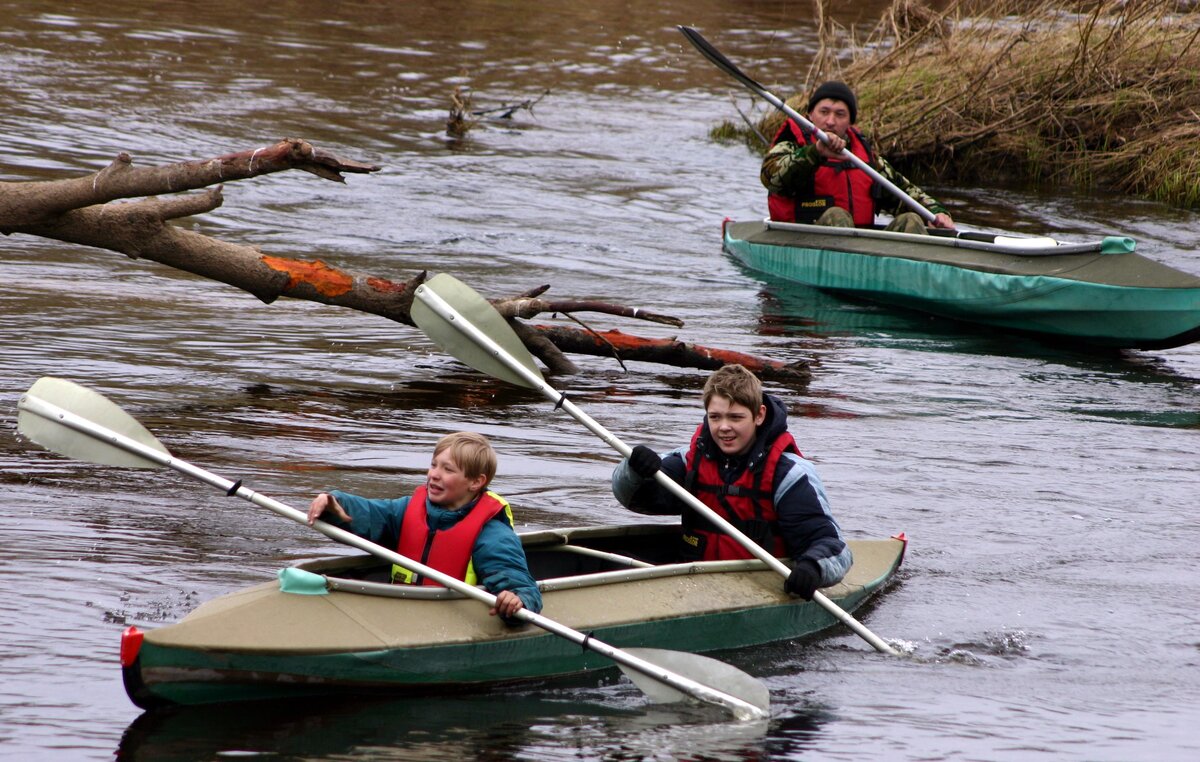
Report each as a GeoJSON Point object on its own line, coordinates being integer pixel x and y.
{"type": "Point", "coordinates": [1099, 95]}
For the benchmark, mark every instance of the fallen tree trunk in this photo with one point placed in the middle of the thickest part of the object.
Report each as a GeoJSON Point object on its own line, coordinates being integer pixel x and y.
{"type": "Point", "coordinates": [78, 211]}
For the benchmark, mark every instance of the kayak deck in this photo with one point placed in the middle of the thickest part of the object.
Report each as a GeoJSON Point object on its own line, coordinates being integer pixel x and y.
{"type": "Point", "coordinates": [365, 634]}
{"type": "Point", "coordinates": [1099, 293]}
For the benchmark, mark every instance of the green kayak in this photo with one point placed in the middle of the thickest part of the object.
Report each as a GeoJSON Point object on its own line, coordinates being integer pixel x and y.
{"type": "Point", "coordinates": [1098, 293]}
{"type": "Point", "coordinates": [352, 632]}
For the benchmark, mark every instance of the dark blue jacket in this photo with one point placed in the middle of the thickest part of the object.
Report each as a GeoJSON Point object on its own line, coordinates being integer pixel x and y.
{"type": "Point", "coordinates": [805, 521]}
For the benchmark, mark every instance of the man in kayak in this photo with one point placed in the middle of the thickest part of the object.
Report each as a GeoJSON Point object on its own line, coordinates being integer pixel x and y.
{"type": "Point", "coordinates": [744, 465]}
{"type": "Point", "coordinates": [810, 181]}
{"type": "Point", "coordinates": [451, 523]}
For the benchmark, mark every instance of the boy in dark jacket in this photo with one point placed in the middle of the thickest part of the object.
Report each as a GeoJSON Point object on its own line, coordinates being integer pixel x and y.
{"type": "Point", "coordinates": [744, 465]}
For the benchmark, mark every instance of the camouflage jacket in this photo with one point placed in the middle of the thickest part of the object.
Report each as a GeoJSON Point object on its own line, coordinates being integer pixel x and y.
{"type": "Point", "coordinates": [789, 166]}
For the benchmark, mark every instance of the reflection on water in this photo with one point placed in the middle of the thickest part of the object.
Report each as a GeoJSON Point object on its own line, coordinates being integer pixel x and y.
{"type": "Point", "coordinates": [1042, 488]}
{"type": "Point", "coordinates": [611, 725]}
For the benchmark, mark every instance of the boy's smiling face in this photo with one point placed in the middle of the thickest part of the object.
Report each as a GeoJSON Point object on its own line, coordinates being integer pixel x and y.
{"type": "Point", "coordinates": [732, 424]}
{"type": "Point", "coordinates": [448, 486]}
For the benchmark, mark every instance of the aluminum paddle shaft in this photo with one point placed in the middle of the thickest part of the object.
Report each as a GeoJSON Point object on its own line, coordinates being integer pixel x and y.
{"type": "Point", "coordinates": [724, 64]}
{"type": "Point", "coordinates": [534, 380]}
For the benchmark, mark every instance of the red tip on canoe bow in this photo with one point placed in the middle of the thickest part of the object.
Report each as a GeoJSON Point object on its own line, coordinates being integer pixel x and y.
{"type": "Point", "coordinates": [131, 644]}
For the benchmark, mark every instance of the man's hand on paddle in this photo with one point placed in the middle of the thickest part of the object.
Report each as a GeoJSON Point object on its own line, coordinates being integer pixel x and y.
{"type": "Point", "coordinates": [942, 220]}
{"type": "Point", "coordinates": [833, 149]}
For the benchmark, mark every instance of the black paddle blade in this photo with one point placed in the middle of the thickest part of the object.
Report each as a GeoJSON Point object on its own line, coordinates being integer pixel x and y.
{"type": "Point", "coordinates": [718, 58]}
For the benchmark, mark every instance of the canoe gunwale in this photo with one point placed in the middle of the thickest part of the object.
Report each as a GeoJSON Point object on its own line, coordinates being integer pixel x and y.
{"type": "Point", "coordinates": [1117, 300]}
{"type": "Point", "coordinates": [459, 647]}
{"type": "Point", "coordinates": [937, 240]}
{"type": "Point", "coordinates": [574, 582]}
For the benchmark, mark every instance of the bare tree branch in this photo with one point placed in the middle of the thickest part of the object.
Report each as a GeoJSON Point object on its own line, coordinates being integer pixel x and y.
{"type": "Point", "coordinates": [668, 351]}
{"type": "Point", "coordinates": [31, 202]}
{"type": "Point", "coordinates": [86, 211]}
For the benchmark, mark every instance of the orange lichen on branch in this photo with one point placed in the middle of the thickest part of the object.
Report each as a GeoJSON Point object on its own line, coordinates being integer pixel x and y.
{"type": "Point", "coordinates": [624, 342]}
{"type": "Point", "coordinates": [325, 280]}
{"type": "Point", "coordinates": [385, 286]}
{"type": "Point", "coordinates": [669, 351]}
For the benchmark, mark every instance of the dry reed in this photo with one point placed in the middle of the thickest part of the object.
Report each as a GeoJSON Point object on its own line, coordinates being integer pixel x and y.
{"type": "Point", "coordinates": [1097, 95]}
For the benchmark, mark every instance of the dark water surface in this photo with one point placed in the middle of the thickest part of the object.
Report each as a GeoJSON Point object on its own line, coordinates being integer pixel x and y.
{"type": "Point", "coordinates": [1050, 591]}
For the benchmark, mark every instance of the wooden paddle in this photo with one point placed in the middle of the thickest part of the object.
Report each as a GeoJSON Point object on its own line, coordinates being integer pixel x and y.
{"type": "Point", "coordinates": [80, 423]}
{"type": "Point", "coordinates": [466, 326]}
{"type": "Point", "coordinates": [724, 64]}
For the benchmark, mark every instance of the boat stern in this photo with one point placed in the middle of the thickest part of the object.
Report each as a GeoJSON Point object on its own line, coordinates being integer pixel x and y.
{"type": "Point", "coordinates": [131, 670]}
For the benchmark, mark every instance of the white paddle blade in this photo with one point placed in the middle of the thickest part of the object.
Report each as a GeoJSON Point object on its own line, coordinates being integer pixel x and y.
{"type": "Point", "coordinates": [38, 421]}
{"type": "Point", "coordinates": [1030, 242]}
{"type": "Point", "coordinates": [715, 674]}
{"type": "Point", "coordinates": [449, 332]}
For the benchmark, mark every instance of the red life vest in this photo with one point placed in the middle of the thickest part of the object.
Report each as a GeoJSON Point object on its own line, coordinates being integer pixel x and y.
{"type": "Point", "coordinates": [835, 183]}
{"type": "Point", "coordinates": [447, 550]}
{"type": "Point", "coordinates": [748, 503]}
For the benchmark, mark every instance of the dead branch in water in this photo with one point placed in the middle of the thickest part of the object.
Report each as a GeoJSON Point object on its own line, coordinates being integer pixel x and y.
{"type": "Point", "coordinates": [463, 116]}
{"type": "Point", "coordinates": [682, 353]}
{"type": "Point", "coordinates": [505, 111]}
{"type": "Point", "coordinates": [460, 121]}
{"type": "Point", "coordinates": [77, 210]}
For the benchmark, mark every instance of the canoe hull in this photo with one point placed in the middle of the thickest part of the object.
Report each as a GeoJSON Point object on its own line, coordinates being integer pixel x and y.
{"type": "Point", "coordinates": [1119, 300]}
{"type": "Point", "coordinates": [262, 643]}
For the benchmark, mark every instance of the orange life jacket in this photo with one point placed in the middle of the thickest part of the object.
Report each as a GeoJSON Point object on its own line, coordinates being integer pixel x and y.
{"type": "Point", "coordinates": [447, 550]}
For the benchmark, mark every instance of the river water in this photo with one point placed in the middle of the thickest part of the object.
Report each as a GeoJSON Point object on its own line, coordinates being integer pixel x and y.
{"type": "Point", "coordinates": [1049, 593]}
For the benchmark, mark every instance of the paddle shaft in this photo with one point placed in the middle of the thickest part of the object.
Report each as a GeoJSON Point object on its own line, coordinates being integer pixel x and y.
{"type": "Point", "coordinates": [447, 311]}
{"type": "Point", "coordinates": [740, 709]}
{"type": "Point", "coordinates": [724, 64]}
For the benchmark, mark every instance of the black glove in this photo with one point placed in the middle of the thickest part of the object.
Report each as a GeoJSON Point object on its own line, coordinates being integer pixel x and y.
{"type": "Point", "coordinates": [644, 461]}
{"type": "Point", "coordinates": [804, 579]}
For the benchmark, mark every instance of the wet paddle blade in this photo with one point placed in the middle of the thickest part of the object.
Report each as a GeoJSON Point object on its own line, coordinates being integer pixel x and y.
{"type": "Point", "coordinates": [451, 335]}
{"type": "Point", "coordinates": [715, 674]}
{"type": "Point", "coordinates": [39, 421]}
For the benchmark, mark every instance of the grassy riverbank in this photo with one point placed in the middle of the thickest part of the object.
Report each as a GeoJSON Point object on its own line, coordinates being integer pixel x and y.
{"type": "Point", "coordinates": [1099, 95]}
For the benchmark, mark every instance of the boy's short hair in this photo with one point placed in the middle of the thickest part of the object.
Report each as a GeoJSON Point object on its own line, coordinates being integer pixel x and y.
{"type": "Point", "coordinates": [735, 383]}
{"type": "Point", "coordinates": [472, 452]}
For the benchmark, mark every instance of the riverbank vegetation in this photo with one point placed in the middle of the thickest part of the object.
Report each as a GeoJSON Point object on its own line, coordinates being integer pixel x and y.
{"type": "Point", "coordinates": [1102, 95]}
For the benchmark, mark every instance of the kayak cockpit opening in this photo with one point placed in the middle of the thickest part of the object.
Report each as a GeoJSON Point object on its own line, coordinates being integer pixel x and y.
{"type": "Point", "coordinates": [558, 559]}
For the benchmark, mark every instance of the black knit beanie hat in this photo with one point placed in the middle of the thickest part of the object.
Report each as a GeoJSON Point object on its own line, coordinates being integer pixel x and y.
{"type": "Point", "coordinates": [838, 91]}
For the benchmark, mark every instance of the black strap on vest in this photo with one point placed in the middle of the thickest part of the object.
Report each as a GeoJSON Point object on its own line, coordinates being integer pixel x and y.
{"type": "Point", "coordinates": [757, 529]}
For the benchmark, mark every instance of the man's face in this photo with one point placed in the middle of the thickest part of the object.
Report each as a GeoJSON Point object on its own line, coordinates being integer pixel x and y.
{"type": "Point", "coordinates": [732, 424]}
{"type": "Point", "coordinates": [831, 116]}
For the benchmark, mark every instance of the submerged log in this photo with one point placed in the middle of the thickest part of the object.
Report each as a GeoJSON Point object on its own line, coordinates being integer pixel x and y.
{"type": "Point", "coordinates": [667, 351]}
{"type": "Point", "coordinates": [77, 210]}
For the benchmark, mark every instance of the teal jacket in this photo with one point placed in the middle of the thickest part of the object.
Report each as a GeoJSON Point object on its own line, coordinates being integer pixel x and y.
{"type": "Point", "coordinates": [498, 557]}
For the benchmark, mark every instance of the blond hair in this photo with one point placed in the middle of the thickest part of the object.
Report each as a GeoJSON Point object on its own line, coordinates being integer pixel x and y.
{"type": "Point", "coordinates": [472, 453]}
{"type": "Point", "coordinates": [734, 383]}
